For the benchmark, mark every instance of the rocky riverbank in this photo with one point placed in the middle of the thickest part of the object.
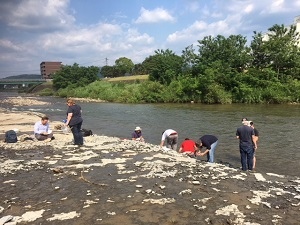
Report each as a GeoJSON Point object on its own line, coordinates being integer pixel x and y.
{"type": "Point", "coordinates": [114, 181]}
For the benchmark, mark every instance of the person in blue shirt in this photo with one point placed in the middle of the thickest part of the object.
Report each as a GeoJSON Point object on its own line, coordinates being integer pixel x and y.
{"type": "Point", "coordinates": [137, 135]}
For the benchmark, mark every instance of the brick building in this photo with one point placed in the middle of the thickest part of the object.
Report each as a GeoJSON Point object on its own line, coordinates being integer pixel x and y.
{"type": "Point", "coordinates": [49, 68]}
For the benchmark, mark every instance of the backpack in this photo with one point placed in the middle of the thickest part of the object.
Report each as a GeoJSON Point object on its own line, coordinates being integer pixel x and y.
{"type": "Point", "coordinates": [86, 132]}
{"type": "Point", "coordinates": [11, 136]}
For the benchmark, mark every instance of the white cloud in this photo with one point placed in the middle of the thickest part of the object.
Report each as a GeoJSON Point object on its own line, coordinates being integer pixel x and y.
{"type": "Point", "coordinates": [199, 29]}
{"type": "Point", "coordinates": [249, 8]}
{"type": "Point", "coordinates": [192, 6]}
{"type": "Point", "coordinates": [37, 15]}
{"type": "Point", "coordinates": [133, 36]}
{"type": "Point", "coordinates": [154, 16]}
{"type": "Point", "coordinates": [39, 30]}
{"type": "Point", "coordinates": [9, 45]}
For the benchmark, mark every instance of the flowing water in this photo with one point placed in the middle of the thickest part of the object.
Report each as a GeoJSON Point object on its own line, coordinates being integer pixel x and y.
{"type": "Point", "coordinates": [278, 148]}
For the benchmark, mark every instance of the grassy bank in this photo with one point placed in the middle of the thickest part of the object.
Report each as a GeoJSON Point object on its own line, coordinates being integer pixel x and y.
{"type": "Point", "coordinates": [128, 78]}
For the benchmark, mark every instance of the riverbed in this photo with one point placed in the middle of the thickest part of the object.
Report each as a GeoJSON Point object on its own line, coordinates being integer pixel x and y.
{"type": "Point", "coordinates": [111, 180]}
{"type": "Point", "coordinates": [278, 148]}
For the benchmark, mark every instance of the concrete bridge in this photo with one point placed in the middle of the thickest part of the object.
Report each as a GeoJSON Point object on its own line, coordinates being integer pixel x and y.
{"type": "Point", "coordinates": [15, 84]}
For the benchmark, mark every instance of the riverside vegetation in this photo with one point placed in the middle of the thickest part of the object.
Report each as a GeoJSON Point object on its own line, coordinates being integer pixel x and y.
{"type": "Point", "coordinates": [221, 70]}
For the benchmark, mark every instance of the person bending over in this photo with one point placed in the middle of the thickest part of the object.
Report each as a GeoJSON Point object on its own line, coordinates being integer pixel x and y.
{"type": "Point", "coordinates": [189, 147]}
{"type": "Point", "coordinates": [171, 136]}
{"type": "Point", "coordinates": [210, 142]}
{"type": "Point", "coordinates": [137, 135]}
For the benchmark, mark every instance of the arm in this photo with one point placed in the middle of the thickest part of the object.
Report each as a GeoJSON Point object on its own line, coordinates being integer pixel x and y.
{"type": "Point", "coordinates": [162, 143]}
{"type": "Point", "coordinates": [180, 149]}
{"type": "Point", "coordinates": [202, 153]}
{"type": "Point", "coordinates": [163, 137]}
{"type": "Point", "coordinates": [36, 128]}
{"type": "Point", "coordinates": [69, 118]}
{"type": "Point", "coordinates": [254, 141]}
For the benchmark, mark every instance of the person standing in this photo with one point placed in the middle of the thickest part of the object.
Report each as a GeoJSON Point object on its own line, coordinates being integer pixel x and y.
{"type": "Point", "coordinates": [74, 121]}
{"type": "Point", "coordinates": [171, 137]}
{"type": "Point", "coordinates": [210, 142]}
{"type": "Point", "coordinates": [188, 146]}
{"type": "Point", "coordinates": [247, 145]}
{"type": "Point", "coordinates": [256, 134]}
{"type": "Point", "coordinates": [137, 135]}
{"type": "Point", "coordinates": [42, 131]}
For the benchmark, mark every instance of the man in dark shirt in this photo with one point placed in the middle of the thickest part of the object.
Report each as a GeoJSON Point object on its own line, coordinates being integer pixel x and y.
{"type": "Point", "coordinates": [210, 142]}
{"type": "Point", "coordinates": [247, 145]}
{"type": "Point", "coordinates": [256, 134]}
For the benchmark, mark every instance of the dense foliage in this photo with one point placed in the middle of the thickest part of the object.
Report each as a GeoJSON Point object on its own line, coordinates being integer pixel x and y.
{"type": "Point", "coordinates": [75, 76]}
{"type": "Point", "coordinates": [220, 70]}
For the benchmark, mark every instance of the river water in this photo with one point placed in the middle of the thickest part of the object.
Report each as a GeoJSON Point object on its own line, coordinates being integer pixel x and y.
{"type": "Point", "coordinates": [278, 147]}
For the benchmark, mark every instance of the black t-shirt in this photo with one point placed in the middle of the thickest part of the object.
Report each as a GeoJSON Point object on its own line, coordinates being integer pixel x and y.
{"type": "Point", "coordinates": [76, 117]}
{"type": "Point", "coordinates": [245, 135]}
{"type": "Point", "coordinates": [256, 133]}
{"type": "Point", "coordinates": [208, 140]}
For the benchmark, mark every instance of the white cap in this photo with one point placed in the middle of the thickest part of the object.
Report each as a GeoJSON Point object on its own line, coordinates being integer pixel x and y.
{"type": "Point", "coordinates": [137, 128]}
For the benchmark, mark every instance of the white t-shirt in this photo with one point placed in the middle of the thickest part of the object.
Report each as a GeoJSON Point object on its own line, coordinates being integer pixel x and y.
{"type": "Point", "coordinates": [167, 134]}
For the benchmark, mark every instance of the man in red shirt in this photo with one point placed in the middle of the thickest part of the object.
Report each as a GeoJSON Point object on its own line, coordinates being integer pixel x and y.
{"type": "Point", "coordinates": [188, 146]}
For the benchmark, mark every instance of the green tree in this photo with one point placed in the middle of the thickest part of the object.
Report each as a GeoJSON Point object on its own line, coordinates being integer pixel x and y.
{"type": "Point", "coordinates": [124, 65]}
{"type": "Point", "coordinates": [75, 75]}
{"type": "Point", "coordinates": [139, 69]}
{"type": "Point", "coordinates": [231, 52]}
{"type": "Point", "coordinates": [283, 51]}
{"type": "Point", "coordinates": [259, 53]}
{"type": "Point", "coordinates": [190, 61]}
{"type": "Point", "coordinates": [107, 71]}
{"type": "Point", "coordinates": [164, 66]}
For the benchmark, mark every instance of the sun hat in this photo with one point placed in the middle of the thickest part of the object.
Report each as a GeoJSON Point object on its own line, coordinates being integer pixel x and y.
{"type": "Point", "coordinates": [137, 128]}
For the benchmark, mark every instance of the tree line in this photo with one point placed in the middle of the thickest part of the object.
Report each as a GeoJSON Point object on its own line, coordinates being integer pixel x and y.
{"type": "Point", "coordinates": [218, 70]}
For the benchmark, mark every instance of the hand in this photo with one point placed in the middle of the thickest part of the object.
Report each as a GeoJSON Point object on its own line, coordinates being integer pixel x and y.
{"type": "Point", "coordinates": [199, 154]}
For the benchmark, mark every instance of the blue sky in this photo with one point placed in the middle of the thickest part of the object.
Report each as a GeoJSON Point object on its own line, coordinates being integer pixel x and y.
{"type": "Point", "coordinates": [89, 31]}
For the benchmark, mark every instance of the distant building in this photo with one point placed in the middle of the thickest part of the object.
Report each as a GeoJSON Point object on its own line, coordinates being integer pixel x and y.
{"type": "Point", "coordinates": [296, 23]}
{"type": "Point", "coordinates": [49, 68]}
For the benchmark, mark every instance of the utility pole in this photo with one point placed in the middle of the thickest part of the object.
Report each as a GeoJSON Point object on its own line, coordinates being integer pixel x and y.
{"type": "Point", "coordinates": [106, 61]}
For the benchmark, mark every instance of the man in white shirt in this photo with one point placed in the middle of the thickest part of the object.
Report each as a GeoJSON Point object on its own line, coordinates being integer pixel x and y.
{"type": "Point", "coordinates": [42, 131]}
{"type": "Point", "coordinates": [171, 136]}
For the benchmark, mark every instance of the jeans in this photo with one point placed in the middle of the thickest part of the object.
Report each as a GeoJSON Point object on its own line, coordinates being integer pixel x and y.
{"type": "Point", "coordinates": [211, 153]}
{"type": "Point", "coordinates": [246, 157]}
{"type": "Point", "coordinates": [172, 141]}
{"type": "Point", "coordinates": [78, 138]}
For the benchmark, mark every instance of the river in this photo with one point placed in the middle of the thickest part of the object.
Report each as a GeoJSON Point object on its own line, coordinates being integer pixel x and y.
{"type": "Point", "coordinates": [278, 149]}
